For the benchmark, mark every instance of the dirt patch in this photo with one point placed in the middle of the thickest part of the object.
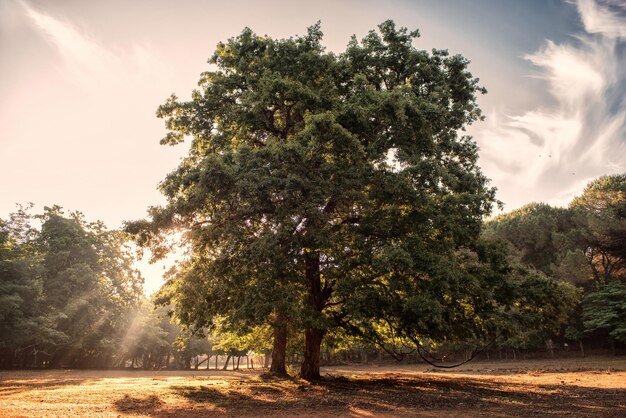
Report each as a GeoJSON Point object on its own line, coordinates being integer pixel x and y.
{"type": "Point", "coordinates": [495, 389]}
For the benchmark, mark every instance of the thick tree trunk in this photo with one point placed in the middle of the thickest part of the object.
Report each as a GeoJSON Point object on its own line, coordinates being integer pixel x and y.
{"type": "Point", "coordinates": [312, 343]}
{"type": "Point", "coordinates": [318, 296]}
{"type": "Point", "coordinates": [279, 349]}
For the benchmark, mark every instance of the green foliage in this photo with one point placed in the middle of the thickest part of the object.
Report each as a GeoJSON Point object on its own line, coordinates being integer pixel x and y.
{"type": "Point", "coordinates": [536, 232]}
{"type": "Point", "coordinates": [148, 338]}
{"type": "Point", "coordinates": [88, 262]}
{"type": "Point", "coordinates": [541, 307]}
{"type": "Point", "coordinates": [600, 218]}
{"type": "Point", "coordinates": [22, 317]}
{"type": "Point", "coordinates": [486, 296]}
{"type": "Point", "coordinates": [258, 339]}
{"type": "Point", "coordinates": [67, 288]}
{"type": "Point", "coordinates": [605, 309]}
{"type": "Point", "coordinates": [583, 244]}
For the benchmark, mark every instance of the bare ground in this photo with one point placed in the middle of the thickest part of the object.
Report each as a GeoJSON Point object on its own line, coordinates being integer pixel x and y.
{"type": "Point", "coordinates": [574, 387]}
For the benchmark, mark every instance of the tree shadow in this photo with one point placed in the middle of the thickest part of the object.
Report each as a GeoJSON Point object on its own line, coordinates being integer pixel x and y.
{"type": "Point", "coordinates": [14, 386]}
{"type": "Point", "coordinates": [380, 396]}
{"type": "Point", "coordinates": [478, 395]}
{"type": "Point", "coordinates": [149, 404]}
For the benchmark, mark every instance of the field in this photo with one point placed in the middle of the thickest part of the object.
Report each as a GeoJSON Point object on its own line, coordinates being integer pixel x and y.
{"type": "Point", "coordinates": [591, 387]}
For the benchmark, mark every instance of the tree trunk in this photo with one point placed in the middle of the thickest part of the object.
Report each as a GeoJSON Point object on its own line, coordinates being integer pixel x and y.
{"type": "Point", "coordinates": [279, 349]}
{"type": "Point", "coordinates": [226, 364]}
{"type": "Point", "coordinates": [312, 343]}
{"type": "Point", "coordinates": [582, 348]}
{"type": "Point", "coordinates": [550, 347]}
{"type": "Point", "coordinates": [319, 294]}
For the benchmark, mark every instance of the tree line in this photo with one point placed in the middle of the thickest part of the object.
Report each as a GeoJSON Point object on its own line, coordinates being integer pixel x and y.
{"type": "Point", "coordinates": [70, 297]}
{"type": "Point", "coordinates": [584, 245]}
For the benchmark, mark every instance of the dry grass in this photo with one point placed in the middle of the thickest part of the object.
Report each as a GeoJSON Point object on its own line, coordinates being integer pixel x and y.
{"type": "Point", "coordinates": [595, 387]}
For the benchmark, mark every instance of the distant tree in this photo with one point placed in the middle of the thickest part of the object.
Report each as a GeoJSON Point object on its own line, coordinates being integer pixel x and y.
{"type": "Point", "coordinates": [537, 233]}
{"type": "Point", "coordinates": [67, 290]}
{"type": "Point", "coordinates": [239, 344]}
{"type": "Point", "coordinates": [88, 284]}
{"type": "Point", "coordinates": [148, 340]}
{"type": "Point", "coordinates": [25, 326]}
{"type": "Point", "coordinates": [605, 309]}
{"type": "Point", "coordinates": [599, 213]}
{"type": "Point", "coordinates": [542, 305]}
{"type": "Point", "coordinates": [583, 244]}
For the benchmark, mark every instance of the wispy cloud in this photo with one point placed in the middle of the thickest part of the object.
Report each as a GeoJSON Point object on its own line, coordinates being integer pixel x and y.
{"type": "Point", "coordinates": [551, 151]}
{"type": "Point", "coordinates": [86, 61]}
{"type": "Point", "coordinates": [603, 18]}
{"type": "Point", "coordinates": [80, 53]}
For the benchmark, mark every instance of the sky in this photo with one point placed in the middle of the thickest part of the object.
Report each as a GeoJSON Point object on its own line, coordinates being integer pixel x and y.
{"type": "Point", "coordinates": [80, 82]}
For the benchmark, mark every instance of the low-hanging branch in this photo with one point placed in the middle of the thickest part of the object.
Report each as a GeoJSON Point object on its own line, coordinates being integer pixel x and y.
{"type": "Point", "coordinates": [419, 347]}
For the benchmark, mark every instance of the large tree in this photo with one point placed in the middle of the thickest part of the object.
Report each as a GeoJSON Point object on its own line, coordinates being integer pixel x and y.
{"type": "Point", "coordinates": [320, 185]}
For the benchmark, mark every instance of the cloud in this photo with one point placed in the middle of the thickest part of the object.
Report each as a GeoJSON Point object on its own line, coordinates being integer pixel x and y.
{"type": "Point", "coordinates": [550, 152]}
{"type": "Point", "coordinates": [94, 144]}
{"type": "Point", "coordinates": [86, 61]}
{"type": "Point", "coordinates": [78, 51]}
{"type": "Point", "coordinates": [605, 18]}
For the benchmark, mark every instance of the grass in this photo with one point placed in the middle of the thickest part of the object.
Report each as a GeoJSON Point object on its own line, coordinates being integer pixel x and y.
{"type": "Point", "coordinates": [574, 387]}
